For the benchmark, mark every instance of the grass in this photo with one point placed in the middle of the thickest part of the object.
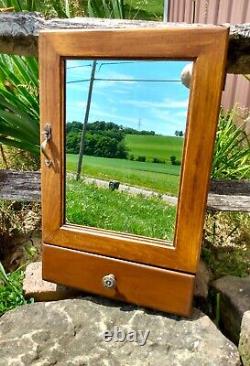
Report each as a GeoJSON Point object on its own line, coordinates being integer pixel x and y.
{"type": "Point", "coordinates": [92, 206]}
{"type": "Point", "coordinates": [161, 147]}
{"type": "Point", "coordinates": [163, 178]}
{"type": "Point", "coordinates": [144, 9]}
{"type": "Point", "coordinates": [11, 292]}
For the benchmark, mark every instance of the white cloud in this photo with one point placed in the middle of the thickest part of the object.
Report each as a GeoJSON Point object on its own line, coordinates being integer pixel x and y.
{"type": "Point", "coordinates": [172, 103]}
{"type": "Point", "coordinates": [99, 113]}
{"type": "Point", "coordinates": [164, 104]}
{"type": "Point", "coordinates": [176, 119]}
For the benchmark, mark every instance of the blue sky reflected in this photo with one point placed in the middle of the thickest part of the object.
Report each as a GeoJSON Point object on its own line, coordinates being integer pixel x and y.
{"type": "Point", "coordinates": [142, 105]}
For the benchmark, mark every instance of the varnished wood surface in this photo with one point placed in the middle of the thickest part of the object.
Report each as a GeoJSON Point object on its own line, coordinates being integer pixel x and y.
{"type": "Point", "coordinates": [208, 47]}
{"type": "Point", "coordinates": [148, 286]}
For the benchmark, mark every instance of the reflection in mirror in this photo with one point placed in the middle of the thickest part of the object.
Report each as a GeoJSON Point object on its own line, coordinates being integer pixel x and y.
{"type": "Point", "coordinates": [125, 129]}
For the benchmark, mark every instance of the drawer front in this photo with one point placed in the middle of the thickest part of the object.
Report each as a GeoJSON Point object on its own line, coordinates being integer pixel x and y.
{"type": "Point", "coordinates": [139, 284]}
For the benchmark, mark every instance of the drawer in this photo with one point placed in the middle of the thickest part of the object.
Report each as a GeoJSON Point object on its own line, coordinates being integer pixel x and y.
{"type": "Point", "coordinates": [144, 285]}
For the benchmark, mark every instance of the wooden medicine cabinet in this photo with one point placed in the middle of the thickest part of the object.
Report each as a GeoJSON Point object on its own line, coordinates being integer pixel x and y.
{"type": "Point", "coordinates": [127, 150]}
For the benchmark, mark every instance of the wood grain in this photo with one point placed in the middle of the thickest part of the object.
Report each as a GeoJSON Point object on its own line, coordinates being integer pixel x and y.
{"type": "Point", "coordinates": [142, 285]}
{"type": "Point", "coordinates": [225, 196]}
{"type": "Point", "coordinates": [219, 202]}
{"type": "Point", "coordinates": [207, 46]}
{"type": "Point", "coordinates": [230, 187]}
{"type": "Point", "coordinates": [19, 34]}
{"type": "Point", "coordinates": [20, 186]}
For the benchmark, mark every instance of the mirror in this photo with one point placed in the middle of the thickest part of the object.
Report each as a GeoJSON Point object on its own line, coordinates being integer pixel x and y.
{"type": "Point", "coordinates": [124, 137]}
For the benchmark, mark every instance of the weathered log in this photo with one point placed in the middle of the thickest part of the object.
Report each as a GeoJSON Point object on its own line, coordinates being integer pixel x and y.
{"type": "Point", "coordinates": [25, 186]}
{"type": "Point", "coordinates": [230, 187]}
{"type": "Point", "coordinates": [217, 202]}
{"type": "Point", "coordinates": [20, 186]}
{"type": "Point", "coordinates": [19, 34]}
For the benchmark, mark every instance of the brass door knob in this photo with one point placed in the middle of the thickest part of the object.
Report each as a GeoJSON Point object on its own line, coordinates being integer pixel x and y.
{"type": "Point", "coordinates": [109, 281]}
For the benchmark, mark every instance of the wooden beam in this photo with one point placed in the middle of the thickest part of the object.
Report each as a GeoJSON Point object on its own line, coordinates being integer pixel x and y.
{"type": "Point", "coordinates": [20, 186]}
{"type": "Point", "coordinates": [218, 202]}
{"type": "Point", "coordinates": [19, 34]}
{"type": "Point", "coordinates": [25, 186]}
{"type": "Point", "coordinates": [230, 187]}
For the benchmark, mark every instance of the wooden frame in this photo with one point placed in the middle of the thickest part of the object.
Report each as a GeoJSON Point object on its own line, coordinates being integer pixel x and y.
{"type": "Point", "coordinates": [206, 47]}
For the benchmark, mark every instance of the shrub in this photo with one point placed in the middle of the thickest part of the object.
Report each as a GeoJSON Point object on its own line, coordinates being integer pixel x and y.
{"type": "Point", "coordinates": [141, 158]}
{"type": "Point", "coordinates": [158, 161]}
{"type": "Point", "coordinates": [11, 292]}
{"type": "Point", "coordinates": [131, 157]}
{"type": "Point", "coordinates": [174, 161]}
{"type": "Point", "coordinates": [232, 150]}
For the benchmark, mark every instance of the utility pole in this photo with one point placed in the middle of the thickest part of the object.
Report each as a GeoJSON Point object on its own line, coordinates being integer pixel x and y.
{"type": "Point", "coordinates": [139, 124]}
{"type": "Point", "coordinates": [86, 118]}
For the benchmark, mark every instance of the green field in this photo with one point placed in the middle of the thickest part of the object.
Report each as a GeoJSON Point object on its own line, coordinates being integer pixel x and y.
{"type": "Point", "coordinates": [159, 177]}
{"type": "Point", "coordinates": [161, 147]}
{"type": "Point", "coordinates": [88, 205]}
{"type": "Point", "coordinates": [163, 178]}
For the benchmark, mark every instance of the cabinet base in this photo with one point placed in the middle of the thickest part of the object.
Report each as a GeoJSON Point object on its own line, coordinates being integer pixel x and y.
{"type": "Point", "coordinates": [135, 283]}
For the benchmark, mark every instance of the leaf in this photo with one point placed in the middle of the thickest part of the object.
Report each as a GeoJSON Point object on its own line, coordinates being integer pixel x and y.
{"type": "Point", "coordinates": [232, 150]}
{"type": "Point", "coordinates": [3, 274]}
{"type": "Point", "coordinates": [19, 104]}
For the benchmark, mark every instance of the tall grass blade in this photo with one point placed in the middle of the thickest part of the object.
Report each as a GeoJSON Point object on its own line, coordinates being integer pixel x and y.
{"type": "Point", "coordinates": [3, 275]}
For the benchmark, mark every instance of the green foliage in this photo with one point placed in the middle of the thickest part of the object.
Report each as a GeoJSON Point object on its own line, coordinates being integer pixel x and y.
{"type": "Point", "coordinates": [21, 5]}
{"type": "Point", "coordinates": [158, 161]}
{"type": "Point", "coordinates": [232, 150]}
{"type": "Point", "coordinates": [106, 8]}
{"type": "Point", "coordinates": [141, 158]}
{"type": "Point", "coordinates": [11, 292]}
{"type": "Point", "coordinates": [179, 133]}
{"type": "Point", "coordinates": [98, 207]}
{"type": "Point", "coordinates": [143, 9]}
{"type": "Point", "coordinates": [159, 177]}
{"type": "Point", "coordinates": [19, 107]}
{"type": "Point", "coordinates": [128, 9]}
{"type": "Point", "coordinates": [101, 139]}
{"type": "Point", "coordinates": [174, 161]}
{"type": "Point", "coordinates": [50, 8]}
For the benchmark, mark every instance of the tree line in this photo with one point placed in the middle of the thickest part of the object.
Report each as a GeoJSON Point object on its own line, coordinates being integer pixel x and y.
{"type": "Point", "coordinates": [105, 139]}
